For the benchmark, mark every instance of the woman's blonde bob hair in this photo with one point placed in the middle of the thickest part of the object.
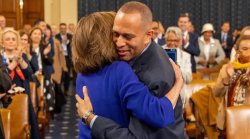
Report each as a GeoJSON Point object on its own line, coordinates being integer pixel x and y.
{"type": "Point", "coordinates": [92, 46]}
{"type": "Point", "coordinates": [18, 40]}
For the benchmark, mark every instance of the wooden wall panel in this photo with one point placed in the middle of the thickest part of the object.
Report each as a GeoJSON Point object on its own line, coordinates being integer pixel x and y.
{"type": "Point", "coordinates": [9, 6]}
{"type": "Point", "coordinates": [10, 11]}
{"type": "Point", "coordinates": [32, 10]}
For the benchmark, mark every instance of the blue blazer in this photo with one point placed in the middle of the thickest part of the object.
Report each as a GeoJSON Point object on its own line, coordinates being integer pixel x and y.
{"type": "Point", "coordinates": [155, 70]}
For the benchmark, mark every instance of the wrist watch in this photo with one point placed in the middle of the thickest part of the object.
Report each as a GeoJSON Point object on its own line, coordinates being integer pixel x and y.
{"type": "Point", "coordinates": [85, 117]}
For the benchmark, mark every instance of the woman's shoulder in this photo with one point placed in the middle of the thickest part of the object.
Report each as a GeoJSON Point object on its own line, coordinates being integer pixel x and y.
{"type": "Point", "coordinates": [114, 66]}
{"type": "Point", "coordinates": [118, 68]}
{"type": "Point", "coordinates": [121, 65]}
{"type": "Point", "coordinates": [217, 42]}
{"type": "Point", "coordinates": [56, 42]}
{"type": "Point", "coordinates": [185, 54]}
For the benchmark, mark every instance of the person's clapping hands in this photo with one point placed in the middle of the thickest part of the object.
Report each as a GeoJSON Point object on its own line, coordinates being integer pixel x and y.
{"type": "Point", "coordinates": [2, 95]}
{"type": "Point", "coordinates": [47, 50]}
{"type": "Point", "coordinates": [202, 62]}
{"type": "Point", "coordinates": [211, 61]}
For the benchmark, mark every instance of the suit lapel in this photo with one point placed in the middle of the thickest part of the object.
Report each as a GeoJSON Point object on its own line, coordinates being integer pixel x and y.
{"type": "Point", "coordinates": [140, 62]}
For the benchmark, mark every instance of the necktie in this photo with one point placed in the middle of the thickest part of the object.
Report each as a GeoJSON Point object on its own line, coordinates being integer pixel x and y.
{"type": "Point", "coordinates": [224, 37]}
{"type": "Point", "coordinates": [183, 40]}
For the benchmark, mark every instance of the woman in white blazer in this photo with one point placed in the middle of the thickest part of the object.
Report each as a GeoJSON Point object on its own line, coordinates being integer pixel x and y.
{"type": "Point", "coordinates": [173, 39]}
{"type": "Point", "coordinates": [211, 52]}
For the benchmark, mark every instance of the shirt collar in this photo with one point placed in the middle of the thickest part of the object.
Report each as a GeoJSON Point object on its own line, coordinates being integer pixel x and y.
{"type": "Point", "coordinates": [131, 62]}
{"type": "Point", "coordinates": [185, 33]}
{"type": "Point", "coordinates": [211, 39]}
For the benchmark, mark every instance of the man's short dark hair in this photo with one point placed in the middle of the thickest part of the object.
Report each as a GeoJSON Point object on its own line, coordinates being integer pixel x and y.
{"type": "Point", "coordinates": [184, 15]}
{"type": "Point", "coordinates": [62, 24]}
{"type": "Point", "coordinates": [141, 8]}
{"type": "Point", "coordinates": [225, 22]}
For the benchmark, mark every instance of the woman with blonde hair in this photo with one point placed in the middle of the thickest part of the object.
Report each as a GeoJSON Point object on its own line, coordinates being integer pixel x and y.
{"type": "Point", "coordinates": [114, 89]}
{"type": "Point", "coordinates": [19, 69]}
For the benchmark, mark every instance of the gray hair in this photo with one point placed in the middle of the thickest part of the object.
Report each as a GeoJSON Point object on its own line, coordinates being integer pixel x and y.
{"type": "Point", "coordinates": [175, 30]}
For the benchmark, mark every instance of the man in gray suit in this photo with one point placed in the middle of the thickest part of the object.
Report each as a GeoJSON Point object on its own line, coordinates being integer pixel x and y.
{"type": "Point", "coordinates": [132, 35]}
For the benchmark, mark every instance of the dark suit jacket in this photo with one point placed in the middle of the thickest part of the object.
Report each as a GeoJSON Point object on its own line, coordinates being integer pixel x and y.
{"type": "Point", "coordinates": [229, 41]}
{"type": "Point", "coordinates": [161, 41]}
{"type": "Point", "coordinates": [5, 85]}
{"type": "Point", "coordinates": [5, 80]}
{"type": "Point", "coordinates": [69, 57]}
{"type": "Point", "coordinates": [193, 49]}
{"type": "Point", "coordinates": [155, 70]}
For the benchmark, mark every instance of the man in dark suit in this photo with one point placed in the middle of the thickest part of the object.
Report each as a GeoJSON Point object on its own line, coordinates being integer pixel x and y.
{"type": "Point", "coordinates": [157, 35]}
{"type": "Point", "coordinates": [132, 35]}
{"type": "Point", "coordinates": [190, 40]}
{"type": "Point", "coordinates": [65, 40]}
{"type": "Point", "coordinates": [225, 38]}
{"type": "Point", "coordinates": [5, 85]}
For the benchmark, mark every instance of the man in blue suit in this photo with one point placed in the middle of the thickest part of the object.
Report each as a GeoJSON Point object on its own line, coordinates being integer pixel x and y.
{"type": "Point", "coordinates": [190, 40]}
{"type": "Point", "coordinates": [132, 34]}
{"type": "Point", "coordinates": [225, 38]}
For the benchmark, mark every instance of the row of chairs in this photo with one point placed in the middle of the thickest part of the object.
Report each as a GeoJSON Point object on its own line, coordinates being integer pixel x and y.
{"type": "Point", "coordinates": [237, 118]}
{"type": "Point", "coordinates": [15, 118]}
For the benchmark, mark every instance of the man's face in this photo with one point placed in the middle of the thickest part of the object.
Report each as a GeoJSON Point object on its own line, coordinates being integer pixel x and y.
{"type": "Point", "coordinates": [130, 35]}
{"type": "Point", "coordinates": [225, 27]}
{"type": "Point", "coordinates": [42, 26]}
{"type": "Point", "coordinates": [54, 30]}
{"type": "Point", "coordinates": [63, 29]}
{"type": "Point", "coordinates": [2, 22]}
{"type": "Point", "coordinates": [155, 28]}
{"type": "Point", "coordinates": [183, 23]}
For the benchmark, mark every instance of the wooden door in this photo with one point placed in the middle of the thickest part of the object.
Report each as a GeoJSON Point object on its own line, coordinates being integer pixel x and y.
{"type": "Point", "coordinates": [10, 9]}
{"type": "Point", "coordinates": [33, 10]}
{"type": "Point", "coordinates": [17, 17]}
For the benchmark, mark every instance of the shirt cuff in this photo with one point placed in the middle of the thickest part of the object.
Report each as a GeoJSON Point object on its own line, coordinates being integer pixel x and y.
{"type": "Point", "coordinates": [92, 121]}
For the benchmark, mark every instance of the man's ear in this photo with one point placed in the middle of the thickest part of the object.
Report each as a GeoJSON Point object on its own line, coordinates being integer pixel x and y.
{"type": "Point", "coordinates": [149, 36]}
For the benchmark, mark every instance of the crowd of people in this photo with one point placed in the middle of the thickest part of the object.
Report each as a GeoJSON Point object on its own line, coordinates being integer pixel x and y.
{"type": "Point", "coordinates": [34, 51]}
{"type": "Point", "coordinates": [133, 41]}
{"type": "Point", "coordinates": [126, 84]}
